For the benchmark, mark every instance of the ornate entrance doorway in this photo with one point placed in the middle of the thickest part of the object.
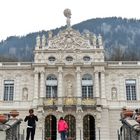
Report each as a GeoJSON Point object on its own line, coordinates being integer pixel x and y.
{"type": "Point", "coordinates": [50, 128]}
{"type": "Point", "coordinates": [72, 126]}
{"type": "Point", "coordinates": [88, 128]}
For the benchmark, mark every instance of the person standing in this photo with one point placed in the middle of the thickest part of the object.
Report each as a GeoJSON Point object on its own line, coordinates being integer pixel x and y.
{"type": "Point", "coordinates": [62, 128]}
{"type": "Point", "coordinates": [31, 125]}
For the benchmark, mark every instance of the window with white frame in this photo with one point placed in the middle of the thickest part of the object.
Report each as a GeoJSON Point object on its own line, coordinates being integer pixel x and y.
{"type": "Point", "coordinates": [8, 90]}
{"type": "Point", "coordinates": [87, 86]}
{"type": "Point", "coordinates": [131, 89]}
{"type": "Point", "coordinates": [51, 86]}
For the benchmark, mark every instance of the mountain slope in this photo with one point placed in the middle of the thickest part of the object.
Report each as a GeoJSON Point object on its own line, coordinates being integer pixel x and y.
{"type": "Point", "coordinates": [121, 39]}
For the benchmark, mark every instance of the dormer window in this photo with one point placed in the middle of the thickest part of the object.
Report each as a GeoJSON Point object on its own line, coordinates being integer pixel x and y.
{"type": "Point", "coordinates": [69, 58]}
{"type": "Point", "coordinates": [86, 58]}
{"type": "Point", "coordinates": [51, 59]}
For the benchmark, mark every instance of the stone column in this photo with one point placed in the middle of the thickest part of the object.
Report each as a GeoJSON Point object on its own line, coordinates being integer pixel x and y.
{"type": "Point", "coordinates": [36, 90]}
{"type": "Point", "coordinates": [103, 96]}
{"type": "Point", "coordinates": [97, 91]}
{"type": "Point", "coordinates": [42, 86]}
{"type": "Point", "coordinates": [79, 91]}
{"type": "Point", "coordinates": [60, 89]}
{"type": "Point", "coordinates": [97, 94]}
{"type": "Point", "coordinates": [103, 85]}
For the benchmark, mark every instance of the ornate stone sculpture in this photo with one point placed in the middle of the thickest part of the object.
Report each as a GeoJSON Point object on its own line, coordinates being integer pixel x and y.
{"type": "Point", "coordinates": [94, 40]}
{"type": "Point", "coordinates": [69, 88]}
{"type": "Point", "coordinates": [67, 14]}
{"type": "Point", "coordinates": [100, 42]}
{"type": "Point", "coordinates": [38, 42]}
{"type": "Point", "coordinates": [25, 94]}
{"type": "Point", "coordinates": [50, 34]}
{"type": "Point", "coordinates": [114, 93]}
{"type": "Point", "coordinates": [43, 41]}
{"type": "Point", "coordinates": [69, 39]}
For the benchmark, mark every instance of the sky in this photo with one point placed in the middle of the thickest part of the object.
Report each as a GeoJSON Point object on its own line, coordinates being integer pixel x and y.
{"type": "Point", "coordinates": [20, 17]}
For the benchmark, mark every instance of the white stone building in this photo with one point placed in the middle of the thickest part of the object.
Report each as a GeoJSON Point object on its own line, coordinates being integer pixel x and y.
{"type": "Point", "coordinates": [69, 77]}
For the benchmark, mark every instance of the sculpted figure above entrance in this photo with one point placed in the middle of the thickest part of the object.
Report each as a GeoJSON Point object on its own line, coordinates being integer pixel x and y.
{"type": "Point", "coordinates": [69, 88]}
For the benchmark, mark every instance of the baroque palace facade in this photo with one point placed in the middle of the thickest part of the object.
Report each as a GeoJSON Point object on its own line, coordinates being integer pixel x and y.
{"type": "Point", "coordinates": [69, 77]}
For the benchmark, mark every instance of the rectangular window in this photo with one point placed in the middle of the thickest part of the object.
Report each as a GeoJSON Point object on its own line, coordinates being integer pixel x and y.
{"type": "Point", "coordinates": [87, 91]}
{"type": "Point", "coordinates": [131, 89]}
{"type": "Point", "coordinates": [51, 91]}
{"type": "Point", "coordinates": [84, 92]}
{"type": "Point", "coordinates": [8, 90]}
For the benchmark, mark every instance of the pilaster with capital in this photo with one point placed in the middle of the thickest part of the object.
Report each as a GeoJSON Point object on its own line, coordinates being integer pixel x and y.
{"type": "Point", "coordinates": [60, 85]}
{"type": "Point", "coordinates": [36, 86]}
{"type": "Point", "coordinates": [78, 71]}
{"type": "Point", "coordinates": [42, 87]}
{"type": "Point", "coordinates": [42, 84]}
{"type": "Point", "coordinates": [97, 84]}
{"type": "Point", "coordinates": [103, 85]}
{"type": "Point", "coordinates": [103, 96]}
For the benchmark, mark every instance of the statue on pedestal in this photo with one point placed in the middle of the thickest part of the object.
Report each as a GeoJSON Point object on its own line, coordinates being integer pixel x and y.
{"type": "Point", "coordinates": [38, 42]}
{"type": "Point", "coordinates": [67, 14]}
{"type": "Point", "coordinates": [69, 88]}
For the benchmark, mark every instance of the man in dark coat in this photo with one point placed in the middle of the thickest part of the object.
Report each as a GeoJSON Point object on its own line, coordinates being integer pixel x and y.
{"type": "Point", "coordinates": [31, 125]}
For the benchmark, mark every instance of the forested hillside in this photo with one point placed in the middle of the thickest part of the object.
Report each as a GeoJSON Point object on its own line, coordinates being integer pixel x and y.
{"type": "Point", "coordinates": [121, 40]}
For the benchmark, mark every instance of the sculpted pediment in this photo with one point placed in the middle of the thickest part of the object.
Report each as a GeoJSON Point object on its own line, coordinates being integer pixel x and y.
{"type": "Point", "coordinates": [69, 39]}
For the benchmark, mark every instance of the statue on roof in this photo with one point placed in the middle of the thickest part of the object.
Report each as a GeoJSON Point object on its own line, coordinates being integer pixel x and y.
{"type": "Point", "coordinates": [38, 42]}
{"type": "Point", "coordinates": [67, 14]}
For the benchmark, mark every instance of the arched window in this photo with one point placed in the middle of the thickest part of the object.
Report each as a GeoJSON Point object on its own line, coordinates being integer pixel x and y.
{"type": "Point", "coordinates": [87, 86]}
{"type": "Point", "coordinates": [51, 86]}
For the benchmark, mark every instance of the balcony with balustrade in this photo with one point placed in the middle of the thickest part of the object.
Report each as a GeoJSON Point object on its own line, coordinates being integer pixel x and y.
{"type": "Point", "coordinates": [69, 102]}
